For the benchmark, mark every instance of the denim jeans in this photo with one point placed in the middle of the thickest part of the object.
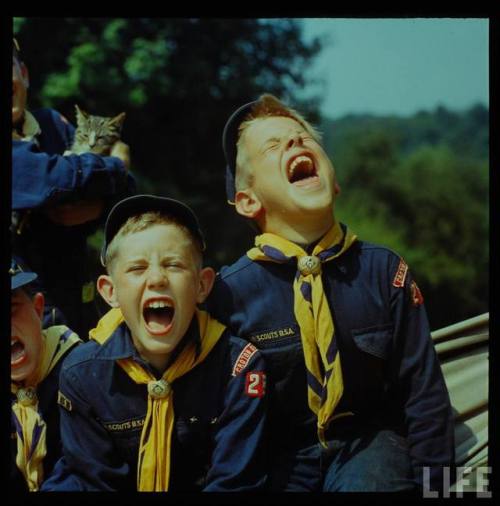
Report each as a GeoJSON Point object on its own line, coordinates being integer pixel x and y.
{"type": "Point", "coordinates": [375, 461]}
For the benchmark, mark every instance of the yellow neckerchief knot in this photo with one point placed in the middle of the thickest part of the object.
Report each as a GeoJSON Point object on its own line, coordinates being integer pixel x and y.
{"type": "Point", "coordinates": [31, 430]}
{"type": "Point", "coordinates": [324, 373]}
{"type": "Point", "coordinates": [29, 131]}
{"type": "Point", "coordinates": [153, 467]}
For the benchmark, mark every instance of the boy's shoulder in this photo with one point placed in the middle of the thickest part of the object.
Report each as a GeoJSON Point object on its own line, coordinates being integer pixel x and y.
{"type": "Point", "coordinates": [94, 354]}
{"type": "Point", "coordinates": [242, 266]}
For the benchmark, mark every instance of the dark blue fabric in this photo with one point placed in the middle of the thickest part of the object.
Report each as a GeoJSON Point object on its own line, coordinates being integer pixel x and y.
{"type": "Point", "coordinates": [217, 433]}
{"type": "Point", "coordinates": [391, 373]}
{"type": "Point", "coordinates": [43, 178]}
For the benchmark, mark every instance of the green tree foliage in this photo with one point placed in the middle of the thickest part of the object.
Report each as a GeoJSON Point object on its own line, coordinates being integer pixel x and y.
{"type": "Point", "coordinates": [420, 186]}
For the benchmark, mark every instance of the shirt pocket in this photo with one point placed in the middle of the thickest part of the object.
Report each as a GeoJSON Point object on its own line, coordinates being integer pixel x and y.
{"type": "Point", "coordinates": [368, 367]}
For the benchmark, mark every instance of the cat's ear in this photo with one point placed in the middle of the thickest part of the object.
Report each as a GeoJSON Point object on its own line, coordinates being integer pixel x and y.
{"type": "Point", "coordinates": [118, 120]}
{"type": "Point", "coordinates": [80, 114]}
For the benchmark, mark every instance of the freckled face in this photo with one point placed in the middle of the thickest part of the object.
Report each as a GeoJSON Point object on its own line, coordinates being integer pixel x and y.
{"type": "Point", "coordinates": [156, 283]}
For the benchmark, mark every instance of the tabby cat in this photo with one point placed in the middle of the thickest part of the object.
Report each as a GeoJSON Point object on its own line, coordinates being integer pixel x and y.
{"type": "Point", "coordinates": [96, 134]}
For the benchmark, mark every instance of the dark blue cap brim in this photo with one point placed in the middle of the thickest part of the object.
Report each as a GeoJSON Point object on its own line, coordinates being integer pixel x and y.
{"type": "Point", "coordinates": [229, 142]}
{"type": "Point", "coordinates": [139, 204]}
{"type": "Point", "coordinates": [21, 278]}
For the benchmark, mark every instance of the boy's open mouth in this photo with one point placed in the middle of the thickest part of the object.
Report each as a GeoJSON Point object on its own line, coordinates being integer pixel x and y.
{"type": "Point", "coordinates": [158, 315]}
{"type": "Point", "coordinates": [301, 170]}
{"type": "Point", "coordinates": [17, 351]}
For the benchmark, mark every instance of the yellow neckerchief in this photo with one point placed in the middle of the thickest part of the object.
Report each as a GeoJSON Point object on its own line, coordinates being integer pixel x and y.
{"type": "Point", "coordinates": [30, 129]}
{"type": "Point", "coordinates": [153, 466]}
{"type": "Point", "coordinates": [31, 429]}
{"type": "Point", "coordinates": [324, 373]}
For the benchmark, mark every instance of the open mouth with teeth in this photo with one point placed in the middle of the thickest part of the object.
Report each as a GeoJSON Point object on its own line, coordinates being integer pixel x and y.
{"type": "Point", "coordinates": [302, 170]}
{"type": "Point", "coordinates": [17, 352]}
{"type": "Point", "coordinates": [158, 315]}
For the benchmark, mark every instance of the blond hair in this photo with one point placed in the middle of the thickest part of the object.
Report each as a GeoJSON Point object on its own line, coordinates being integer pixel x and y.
{"type": "Point", "coordinates": [266, 106]}
{"type": "Point", "coordinates": [146, 220]}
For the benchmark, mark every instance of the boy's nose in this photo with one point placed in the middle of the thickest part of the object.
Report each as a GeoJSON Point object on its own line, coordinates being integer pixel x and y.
{"type": "Point", "coordinates": [295, 139]}
{"type": "Point", "coordinates": [157, 277]}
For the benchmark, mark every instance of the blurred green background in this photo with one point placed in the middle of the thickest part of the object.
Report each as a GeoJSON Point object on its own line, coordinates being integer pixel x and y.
{"type": "Point", "coordinates": [418, 184]}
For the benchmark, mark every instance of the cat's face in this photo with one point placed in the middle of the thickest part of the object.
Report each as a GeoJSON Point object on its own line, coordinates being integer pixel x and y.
{"type": "Point", "coordinates": [97, 134]}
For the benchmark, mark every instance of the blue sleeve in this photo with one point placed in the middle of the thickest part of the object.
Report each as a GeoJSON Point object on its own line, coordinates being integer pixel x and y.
{"type": "Point", "coordinates": [40, 178]}
{"type": "Point", "coordinates": [416, 368]}
{"type": "Point", "coordinates": [90, 461]}
{"type": "Point", "coordinates": [239, 456]}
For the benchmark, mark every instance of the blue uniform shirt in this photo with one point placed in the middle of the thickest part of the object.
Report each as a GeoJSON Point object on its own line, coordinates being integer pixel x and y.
{"type": "Point", "coordinates": [219, 411]}
{"type": "Point", "coordinates": [392, 377]}
{"type": "Point", "coordinates": [42, 178]}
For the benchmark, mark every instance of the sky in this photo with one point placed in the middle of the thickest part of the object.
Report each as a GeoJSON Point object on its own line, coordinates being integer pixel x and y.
{"type": "Point", "coordinates": [399, 66]}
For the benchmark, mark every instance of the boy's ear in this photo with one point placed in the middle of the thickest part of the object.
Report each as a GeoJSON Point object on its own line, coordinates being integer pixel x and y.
{"type": "Point", "coordinates": [106, 288]}
{"type": "Point", "coordinates": [39, 304]}
{"type": "Point", "coordinates": [207, 278]}
{"type": "Point", "coordinates": [247, 203]}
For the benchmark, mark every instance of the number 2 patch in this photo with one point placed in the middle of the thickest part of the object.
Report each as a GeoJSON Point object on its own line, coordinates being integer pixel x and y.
{"type": "Point", "coordinates": [255, 384]}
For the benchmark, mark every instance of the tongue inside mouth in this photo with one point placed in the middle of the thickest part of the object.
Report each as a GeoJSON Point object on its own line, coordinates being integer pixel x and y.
{"type": "Point", "coordinates": [159, 319]}
{"type": "Point", "coordinates": [16, 351]}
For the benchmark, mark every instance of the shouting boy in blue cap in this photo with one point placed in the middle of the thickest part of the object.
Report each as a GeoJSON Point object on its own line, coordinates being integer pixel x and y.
{"type": "Point", "coordinates": [357, 397]}
{"type": "Point", "coordinates": [162, 397]}
{"type": "Point", "coordinates": [35, 361]}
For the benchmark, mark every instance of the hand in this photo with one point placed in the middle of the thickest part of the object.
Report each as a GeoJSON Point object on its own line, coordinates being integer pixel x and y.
{"type": "Point", "coordinates": [76, 213]}
{"type": "Point", "coordinates": [121, 151]}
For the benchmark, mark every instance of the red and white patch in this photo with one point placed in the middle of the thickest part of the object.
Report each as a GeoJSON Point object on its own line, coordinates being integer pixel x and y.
{"type": "Point", "coordinates": [255, 384]}
{"type": "Point", "coordinates": [399, 278]}
{"type": "Point", "coordinates": [243, 358]}
{"type": "Point", "coordinates": [416, 295]}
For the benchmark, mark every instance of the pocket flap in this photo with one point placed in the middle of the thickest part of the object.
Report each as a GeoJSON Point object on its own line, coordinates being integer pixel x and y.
{"type": "Point", "coordinates": [374, 340]}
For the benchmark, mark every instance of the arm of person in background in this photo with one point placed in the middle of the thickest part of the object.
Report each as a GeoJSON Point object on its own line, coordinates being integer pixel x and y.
{"type": "Point", "coordinates": [41, 179]}
{"type": "Point", "coordinates": [83, 211]}
{"type": "Point", "coordinates": [239, 455]}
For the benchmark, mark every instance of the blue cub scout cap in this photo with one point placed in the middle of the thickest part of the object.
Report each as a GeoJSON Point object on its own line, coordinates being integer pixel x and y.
{"type": "Point", "coordinates": [19, 276]}
{"type": "Point", "coordinates": [139, 204]}
{"type": "Point", "coordinates": [229, 141]}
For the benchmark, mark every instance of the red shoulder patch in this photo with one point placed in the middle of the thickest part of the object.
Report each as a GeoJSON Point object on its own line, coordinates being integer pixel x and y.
{"type": "Point", "coordinates": [243, 358]}
{"type": "Point", "coordinates": [399, 278]}
{"type": "Point", "coordinates": [416, 295]}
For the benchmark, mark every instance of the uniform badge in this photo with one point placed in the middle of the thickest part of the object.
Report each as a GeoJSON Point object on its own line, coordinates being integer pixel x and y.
{"type": "Point", "coordinates": [64, 401]}
{"type": "Point", "coordinates": [255, 384]}
{"type": "Point", "coordinates": [243, 358]}
{"type": "Point", "coordinates": [399, 278]}
{"type": "Point", "coordinates": [416, 295]}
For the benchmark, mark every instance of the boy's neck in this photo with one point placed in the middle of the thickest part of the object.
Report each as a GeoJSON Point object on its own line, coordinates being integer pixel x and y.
{"type": "Point", "coordinates": [304, 233]}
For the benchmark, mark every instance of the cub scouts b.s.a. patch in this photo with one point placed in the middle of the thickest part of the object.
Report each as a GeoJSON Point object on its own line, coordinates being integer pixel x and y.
{"type": "Point", "coordinates": [64, 401]}
{"type": "Point", "coordinates": [255, 384]}
{"type": "Point", "coordinates": [399, 278]}
{"type": "Point", "coordinates": [416, 295]}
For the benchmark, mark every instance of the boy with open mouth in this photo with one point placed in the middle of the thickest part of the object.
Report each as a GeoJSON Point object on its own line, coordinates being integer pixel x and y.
{"type": "Point", "coordinates": [162, 397]}
{"type": "Point", "coordinates": [35, 361]}
{"type": "Point", "coordinates": [356, 394]}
